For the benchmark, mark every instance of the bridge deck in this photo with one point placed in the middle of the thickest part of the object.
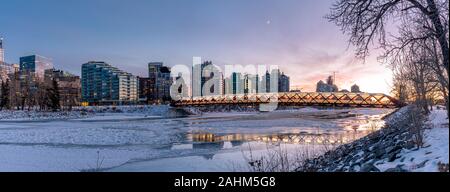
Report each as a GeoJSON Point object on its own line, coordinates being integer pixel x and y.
{"type": "Point", "coordinates": [296, 99]}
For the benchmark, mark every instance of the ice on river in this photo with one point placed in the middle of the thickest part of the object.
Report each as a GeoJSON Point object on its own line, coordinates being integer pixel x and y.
{"type": "Point", "coordinates": [147, 142]}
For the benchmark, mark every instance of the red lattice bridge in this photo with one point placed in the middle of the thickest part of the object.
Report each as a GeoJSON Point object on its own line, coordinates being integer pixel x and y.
{"type": "Point", "coordinates": [336, 99]}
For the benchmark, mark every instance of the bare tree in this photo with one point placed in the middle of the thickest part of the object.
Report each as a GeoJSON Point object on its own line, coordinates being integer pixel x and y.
{"type": "Point", "coordinates": [414, 53]}
{"type": "Point", "coordinates": [423, 23]}
{"type": "Point", "coordinates": [400, 88]}
{"type": "Point", "coordinates": [365, 20]}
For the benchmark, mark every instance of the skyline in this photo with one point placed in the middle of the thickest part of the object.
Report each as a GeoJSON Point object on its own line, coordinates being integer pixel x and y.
{"type": "Point", "coordinates": [235, 32]}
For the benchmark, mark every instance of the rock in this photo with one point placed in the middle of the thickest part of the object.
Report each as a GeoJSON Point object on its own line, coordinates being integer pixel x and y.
{"type": "Point", "coordinates": [420, 165]}
{"type": "Point", "coordinates": [369, 157]}
{"type": "Point", "coordinates": [379, 163]}
{"type": "Point", "coordinates": [393, 156]}
{"type": "Point", "coordinates": [355, 167]}
{"type": "Point", "coordinates": [385, 144]}
{"type": "Point", "coordinates": [397, 169]}
{"type": "Point", "coordinates": [379, 152]}
{"type": "Point", "coordinates": [409, 145]}
{"type": "Point", "coordinates": [369, 167]}
{"type": "Point", "coordinates": [393, 148]}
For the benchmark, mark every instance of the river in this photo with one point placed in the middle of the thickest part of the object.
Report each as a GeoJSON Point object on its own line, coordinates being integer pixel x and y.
{"type": "Point", "coordinates": [207, 142]}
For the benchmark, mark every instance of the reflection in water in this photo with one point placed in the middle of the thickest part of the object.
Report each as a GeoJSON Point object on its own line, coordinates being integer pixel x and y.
{"type": "Point", "coordinates": [291, 138]}
{"type": "Point", "coordinates": [351, 129]}
{"type": "Point", "coordinates": [229, 143]}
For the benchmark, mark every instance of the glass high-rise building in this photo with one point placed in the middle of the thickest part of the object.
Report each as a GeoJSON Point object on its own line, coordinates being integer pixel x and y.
{"type": "Point", "coordinates": [235, 84]}
{"type": "Point", "coordinates": [2, 52]}
{"type": "Point", "coordinates": [158, 83]}
{"type": "Point", "coordinates": [102, 83]}
{"type": "Point", "coordinates": [3, 66]}
{"type": "Point", "coordinates": [35, 64]}
{"type": "Point", "coordinates": [275, 82]}
{"type": "Point", "coordinates": [204, 73]}
{"type": "Point", "coordinates": [283, 83]}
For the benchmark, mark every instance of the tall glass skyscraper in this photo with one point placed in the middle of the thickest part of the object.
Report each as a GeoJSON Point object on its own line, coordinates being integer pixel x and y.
{"type": "Point", "coordinates": [2, 52]}
{"type": "Point", "coordinates": [35, 64]}
{"type": "Point", "coordinates": [3, 70]}
{"type": "Point", "coordinates": [204, 73]}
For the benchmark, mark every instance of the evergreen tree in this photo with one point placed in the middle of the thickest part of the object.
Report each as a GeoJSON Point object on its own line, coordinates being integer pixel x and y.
{"type": "Point", "coordinates": [53, 96]}
{"type": "Point", "coordinates": [4, 96]}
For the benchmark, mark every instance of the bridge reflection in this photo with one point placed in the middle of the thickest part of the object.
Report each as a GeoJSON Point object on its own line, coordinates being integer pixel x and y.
{"type": "Point", "coordinates": [290, 138]}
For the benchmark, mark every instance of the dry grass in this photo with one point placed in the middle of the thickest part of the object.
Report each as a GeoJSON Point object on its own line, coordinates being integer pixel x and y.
{"type": "Point", "coordinates": [443, 167]}
{"type": "Point", "coordinates": [280, 159]}
{"type": "Point", "coordinates": [417, 126]}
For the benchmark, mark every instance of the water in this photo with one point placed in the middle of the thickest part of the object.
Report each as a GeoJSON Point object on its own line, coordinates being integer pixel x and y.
{"type": "Point", "coordinates": [211, 142]}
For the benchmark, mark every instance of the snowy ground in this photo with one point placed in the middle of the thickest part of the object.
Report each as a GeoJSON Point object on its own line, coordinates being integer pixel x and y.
{"type": "Point", "coordinates": [127, 139]}
{"type": "Point", "coordinates": [435, 150]}
{"type": "Point", "coordinates": [91, 113]}
{"type": "Point", "coordinates": [20, 116]}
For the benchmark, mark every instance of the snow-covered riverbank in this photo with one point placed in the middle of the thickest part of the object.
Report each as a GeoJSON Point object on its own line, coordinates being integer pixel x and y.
{"type": "Point", "coordinates": [427, 158]}
{"type": "Point", "coordinates": [9, 115]}
{"type": "Point", "coordinates": [87, 113]}
{"type": "Point", "coordinates": [391, 149]}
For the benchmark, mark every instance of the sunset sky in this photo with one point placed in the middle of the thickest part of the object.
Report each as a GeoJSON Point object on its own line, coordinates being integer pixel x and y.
{"type": "Point", "coordinates": [130, 33]}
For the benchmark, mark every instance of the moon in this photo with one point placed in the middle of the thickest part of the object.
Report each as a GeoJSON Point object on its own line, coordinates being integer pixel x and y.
{"type": "Point", "coordinates": [268, 22]}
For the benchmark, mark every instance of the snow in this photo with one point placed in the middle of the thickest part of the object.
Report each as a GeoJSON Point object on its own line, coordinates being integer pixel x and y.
{"type": "Point", "coordinates": [228, 160]}
{"type": "Point", "coordinates": [11, 116]}
{"type": "Point", "coordinates": [16, 158]}
{"type": "Point", "coordinates": [141, 139]}
{"type": "Point", "coordinates": [120, 117]}
{"type": "Point", "coordinates": [88, 113]}
{"type": "Point", "coordinates": [435, 150]}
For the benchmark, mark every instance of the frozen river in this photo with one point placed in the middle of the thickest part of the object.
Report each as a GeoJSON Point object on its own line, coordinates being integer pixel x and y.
{"type": "Point", "coordinates": [209, 142]}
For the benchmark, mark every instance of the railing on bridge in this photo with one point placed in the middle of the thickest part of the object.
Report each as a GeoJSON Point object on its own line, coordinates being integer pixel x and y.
{"type": "Point", "coordinates": [297, 99]}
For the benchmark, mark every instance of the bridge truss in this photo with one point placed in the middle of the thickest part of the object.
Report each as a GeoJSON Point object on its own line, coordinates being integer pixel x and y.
{"type": "Point", "coordinates": [338, 99]}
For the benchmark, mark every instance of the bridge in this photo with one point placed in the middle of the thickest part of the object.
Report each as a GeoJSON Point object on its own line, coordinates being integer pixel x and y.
{"type": "Point", "coordinates": [332, 99]}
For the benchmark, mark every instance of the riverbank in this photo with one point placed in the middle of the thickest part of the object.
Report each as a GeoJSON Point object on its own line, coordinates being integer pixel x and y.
{"type": "Point", "coordinates": [87, 113]}
{"type": "Point", "coordinates": [391, 149]}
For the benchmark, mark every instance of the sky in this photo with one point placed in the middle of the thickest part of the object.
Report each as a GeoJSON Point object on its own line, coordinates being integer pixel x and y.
{"type": "Point", "coordinates": [128, 34]}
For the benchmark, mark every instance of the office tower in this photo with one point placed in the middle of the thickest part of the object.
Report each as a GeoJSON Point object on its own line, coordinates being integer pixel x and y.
{"type": "Point", "coordinates": [251, 83]}
{"type": "Point", "coordinates": [35, 65]}
{"type": "Point", "coordinates": [2, 52]}
{"type": "Point", "coordinates": [283, 83]}
{"type": "Point", "coordinates": [207, 79]}
{"type": "Point", "coordinates": [144, 86]}
{"type": "Point", "coordinates": [274, 82]}
{"type": "Point", "coordinates": [5, 68]}
{"type": "Point", "coordinates": [235, 84]}
{"type": "Point", "coordinates": [156, 87]}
